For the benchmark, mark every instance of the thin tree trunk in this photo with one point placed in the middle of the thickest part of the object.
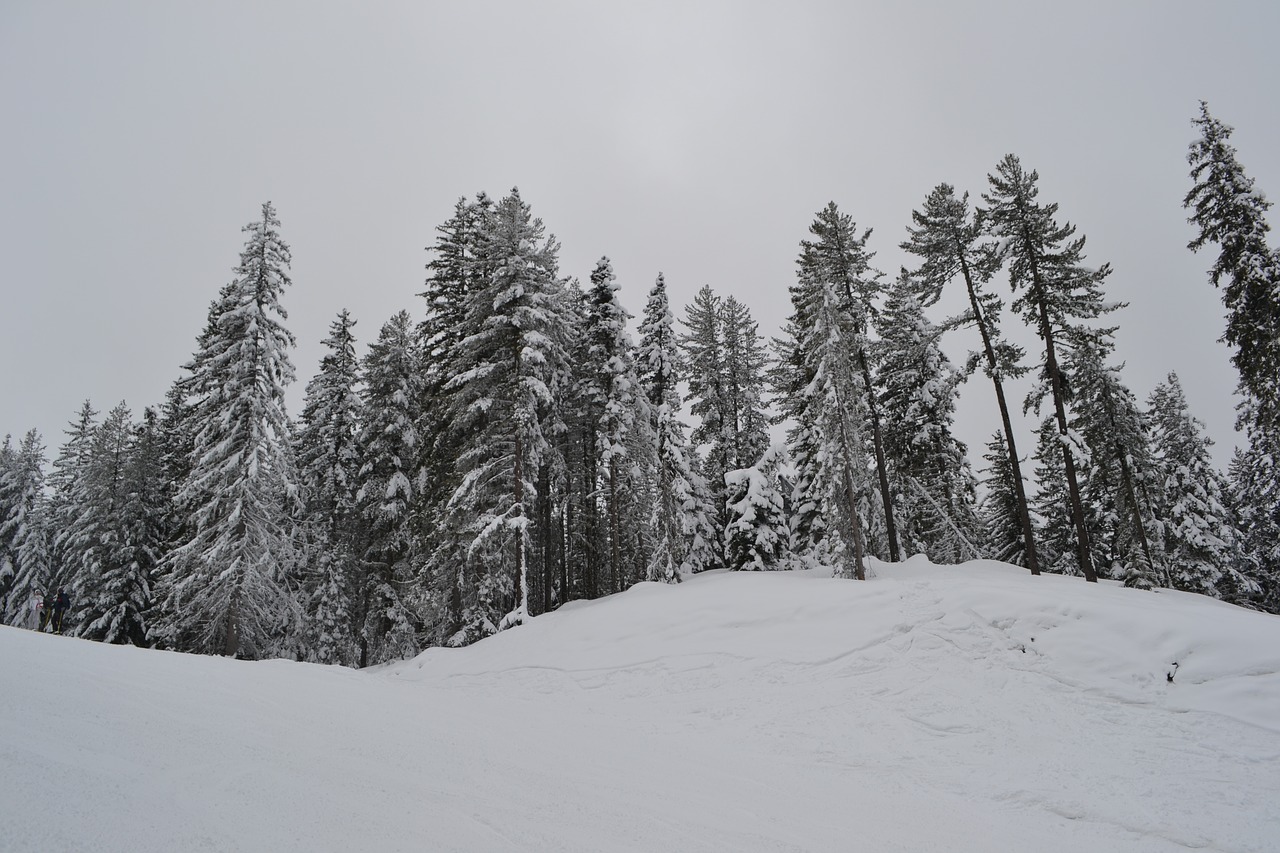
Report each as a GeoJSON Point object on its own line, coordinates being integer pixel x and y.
{"type": "Point", "coordinates": [882, 473]}
{"type": "Point", "coordinates": [1068, 458]}
{"type": "Point", "coordinates": [1024, 514]}
{"type": "Point", "coordinates": [1133, 502]}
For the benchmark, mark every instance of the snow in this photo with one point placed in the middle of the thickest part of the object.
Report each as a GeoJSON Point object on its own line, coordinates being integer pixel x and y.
{"type": "Point", "coordinates": [971, 708]}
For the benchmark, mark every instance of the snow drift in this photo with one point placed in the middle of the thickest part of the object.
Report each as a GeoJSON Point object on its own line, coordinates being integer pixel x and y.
{"type": "Point", "coordinates": [970, 708]}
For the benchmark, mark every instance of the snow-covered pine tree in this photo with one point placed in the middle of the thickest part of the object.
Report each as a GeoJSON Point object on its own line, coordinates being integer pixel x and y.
{"type": "Point", "coordinates": [1054, 290]}
{"type": "Point", "coordinates": [1199, 540]}
{"type": "Point", "coordinates": [386, 495]}
{"type": "Point", "coordinates": [703, 350]}
{"type": "Point", "coordinates": [510, 363]}
{"type": "Point", "coordinates": [827, 339]}
{"type": "Point", "coordinates": [918, 387]}
{"type": "Point", "coordinates": [98, 536]}
{"type": "Point", "coordinates": [681, 519]}
{"type": "Point", "coordinates": [329, 460]}
{"type": "Point", "coordinates": [228, 591]}
{"type": "Point", "coordinates": [745, 422]}
{"type": "Point", "coordinates": [1001, 509]}
{"type": "Point", "coordinates": [127, 588]}
{"type": "Point", "coordinates": [613, 391]}
{"type": "Point", "coordinates": [1257, 518]}
{"type": "Point", "coordinates": [950, 242]}
{"type": "Point", "coordinates": [757, 535]}
{"type": "Point", "coordinates": [1112, 426]}
{"type": "Point", "coordinates": [1231, 213]}
{"type": "Point", "coordinates": [66, 506]}
{"type": "Point", "coordinates": [840, 258]}
{"type": "Point", "coordinates": [25, 548]}
{"type": "Point", "coordinates": [1057, 535]}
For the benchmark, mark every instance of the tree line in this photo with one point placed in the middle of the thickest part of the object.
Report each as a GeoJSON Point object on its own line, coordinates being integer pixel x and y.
{"type": "Point", "coordinates": [517, 449]}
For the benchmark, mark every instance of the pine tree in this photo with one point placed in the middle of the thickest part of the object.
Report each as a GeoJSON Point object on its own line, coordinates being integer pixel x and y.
{"type": "Point", "coordinates": [1199, 541]}
{"type": "Point", "coordinates": [703, 346]}
{"type": "Point", "coordinates": [228, 590]}
{"type": "Point", "coordinates": [1111, 424]}
{"type": "Point", "coordinates": [329, 459]}
{"type": "Point", "coordinates": [69, 498]}
{"type": "Point", "coordinates": [745, 421]}
{"type": "Point", "coordinates": [950, 242]}
{"type": "Point", "coordinates": [1054, 291]}
{"type": "Point", "coordinates": [756, 537]}
{"type": "Point", "coordinates": [99, 537]}
{"type": "Point", "coordinates": [510, 364]}
{"type": "Point", "coordinates": [918, 388]}
{"type": "Point", "coordinates": [681, 518]}
{"type": "Point", "coordinates": [25, 558]}
{"type": "Point", "coordinates": [386, 497]}
{"type": "Point", "coordinates": [839, 259]}
{"type": "Point", "coordinates": [825, 350]}
{"type": "Point", "coordinates": [1001, 508]}
{"type": "Point", "coordinates": [1230, 213]}
{"type": "Point", "coordinates": [1057, 534]}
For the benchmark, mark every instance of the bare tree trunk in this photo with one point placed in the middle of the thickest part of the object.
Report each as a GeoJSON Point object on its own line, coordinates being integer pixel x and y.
{"type": "Point", "coordinates": [1024, 514]}
{"type": "Point", "coordinates": [886, 496]}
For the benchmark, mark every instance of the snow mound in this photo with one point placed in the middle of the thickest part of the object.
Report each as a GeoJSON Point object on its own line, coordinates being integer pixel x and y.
{"type": "Point", "coordinates": [970, 708]}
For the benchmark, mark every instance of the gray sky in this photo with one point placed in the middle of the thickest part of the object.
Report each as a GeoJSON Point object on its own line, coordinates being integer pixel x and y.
{"type": "Point", "coordinates": [698, 139]}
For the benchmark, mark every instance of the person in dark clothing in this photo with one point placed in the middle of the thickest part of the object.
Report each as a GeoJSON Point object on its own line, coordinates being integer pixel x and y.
{"type": "Point", "coordinates": [60, 605]}
{"type": "Point", "coordinates": [46, 612]}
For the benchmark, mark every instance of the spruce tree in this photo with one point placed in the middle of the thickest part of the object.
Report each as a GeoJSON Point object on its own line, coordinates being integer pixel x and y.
{"type": "Point", "coordinates": [745, 422]}
{"type": "Point", "coordinates": [511, 362]}
{"type": "Point", "coordinates": [1054, 290]}
{"type": "Point", "coordinates": [229, 590]}
{"type": "Point", "coordinates": [1112, 426]}
{"type": "Point", "coordinates": [703, 346]}
{"type": "Point", "coordinates": [756, 537]}
{"type": "Point", "coordinates": [386, 495]}
{"type": "Point", "coordinates": [25, 553]}
{"type": "Point", "coordinates": [951, 242]}
{"type": "Point", "coordinates": [918, 387]}
{"type": "Point", "coordinates": [1199, 540]}
{"type": "Point", "coordinates": [681, 517]}
{"type": "Point", "coordinates": [1230, 213]}
{"type": "Point", "coordinates": [329, 460]}
{"type": "Point", "coordinates": [1001, 507]}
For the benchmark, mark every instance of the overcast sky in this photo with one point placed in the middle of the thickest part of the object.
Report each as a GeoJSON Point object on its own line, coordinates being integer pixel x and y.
{"type": "Point", "coordinates": [697, 139]}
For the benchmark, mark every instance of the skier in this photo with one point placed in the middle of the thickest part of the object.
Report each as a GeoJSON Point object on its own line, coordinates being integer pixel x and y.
{"type": "Point", "coordinates": [46, 611]}
{"type": "Point", "coordinates": [60, 605]}
{"type": "Point", "coordinates": [37, 610]}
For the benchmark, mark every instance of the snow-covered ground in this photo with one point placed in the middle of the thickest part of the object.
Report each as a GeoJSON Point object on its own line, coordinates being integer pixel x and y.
{"type": "Point", "coordinates": [957, 709]}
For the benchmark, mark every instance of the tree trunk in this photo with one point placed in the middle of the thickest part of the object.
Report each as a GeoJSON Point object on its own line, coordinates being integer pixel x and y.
{"type": "Point", "coordinates": [1024, 515]}
{"type": "Point", "coordinates": [891, 529]}
{"type": "Point", "coordinates": [1068, 458]}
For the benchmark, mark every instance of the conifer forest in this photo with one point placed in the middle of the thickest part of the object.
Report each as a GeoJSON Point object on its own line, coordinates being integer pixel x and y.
{"type": "Point", "coordinates": [528, 442]}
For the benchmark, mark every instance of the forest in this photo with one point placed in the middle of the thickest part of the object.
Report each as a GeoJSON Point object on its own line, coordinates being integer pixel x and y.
{"type": "Point", "coordinates": [518, 448]}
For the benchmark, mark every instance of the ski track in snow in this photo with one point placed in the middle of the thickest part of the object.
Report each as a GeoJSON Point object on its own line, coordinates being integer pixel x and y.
{"type": "Point", "coordinates": [967, 708]}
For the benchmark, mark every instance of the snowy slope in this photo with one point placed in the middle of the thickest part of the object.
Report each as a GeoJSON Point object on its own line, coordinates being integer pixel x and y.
{"type": "Point", "coordinates": [970, 708]}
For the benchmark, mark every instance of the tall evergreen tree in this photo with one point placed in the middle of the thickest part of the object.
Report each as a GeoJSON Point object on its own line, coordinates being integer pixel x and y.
{"type": "Point", "coordinates": [951, 242]}
{"type": "Point", "coordinates": [756, 538]}
{"type": "Point", "coordinates": [1230, 213]}
{"type": "Point", "coordinates": [229, 591]}
{"type": "Point", "coordinates": [386, 495]}
{"type": "Point", "coordinates": [329, 460]}
{"type": "Point", "coordinates": [1001, 508]}
{"type": "Point", "coordinates": [824, 354]}
{"type": "Point", "coordinates": [703, 346]}
{"type": "Point", "coordinates": [1054, 291]}
{"type": "Point", "coordinates": [1111, 424]}
{"type": "Point", "coordinates": [1199, 540]}
{"type": "Point", "coordinates": [681, 517]}
{"type": "Point", "coordinates": [25, 558]}
{"type": "Point", "coordinates": [918, 388]}
{"type": "Point", "coordinates": [838, 258]}
{"type": "Point", "coordinates": [510, 361]}
{"type": "Point", "coordinates": [745, 421]}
